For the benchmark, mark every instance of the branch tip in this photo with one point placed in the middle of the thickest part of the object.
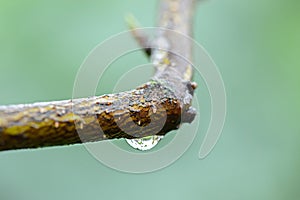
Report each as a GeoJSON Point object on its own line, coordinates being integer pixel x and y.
{"type": "Point", "coordinates": [139, 35]}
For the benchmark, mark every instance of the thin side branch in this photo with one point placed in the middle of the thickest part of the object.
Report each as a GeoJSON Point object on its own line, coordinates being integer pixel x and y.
{"type": "Point", "coordinates": [139, 35]}
{"type": "Point", "coordinates": [132, 114]}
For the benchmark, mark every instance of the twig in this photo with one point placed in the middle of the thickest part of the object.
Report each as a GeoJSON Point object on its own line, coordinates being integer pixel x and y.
{"type": "Point", "coordinates": [169, 92]}
{"type": "Point", "coordinates": [139, 35]}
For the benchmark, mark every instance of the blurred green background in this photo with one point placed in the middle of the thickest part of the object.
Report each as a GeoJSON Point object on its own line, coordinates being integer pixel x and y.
{"type": "Point", "coordinates": [256, 45]}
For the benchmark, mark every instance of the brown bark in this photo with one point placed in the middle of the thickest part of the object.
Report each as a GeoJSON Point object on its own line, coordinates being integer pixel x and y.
{"type": "Point", "coordinates": [165, 98]}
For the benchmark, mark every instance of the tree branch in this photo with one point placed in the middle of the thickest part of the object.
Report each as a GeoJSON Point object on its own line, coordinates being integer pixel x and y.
{"type": "Point", "coordinates": [139, 35]}
{"type": "Point", "coordinates": [166, 97]}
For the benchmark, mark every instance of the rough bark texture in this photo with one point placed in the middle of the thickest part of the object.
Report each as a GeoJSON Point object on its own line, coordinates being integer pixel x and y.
{"type": "Point", "coordinates": [156, 107]}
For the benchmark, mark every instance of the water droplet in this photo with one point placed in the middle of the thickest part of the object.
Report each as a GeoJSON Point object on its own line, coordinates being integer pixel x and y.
{"type": "Point", "coordinates": [145, 143]}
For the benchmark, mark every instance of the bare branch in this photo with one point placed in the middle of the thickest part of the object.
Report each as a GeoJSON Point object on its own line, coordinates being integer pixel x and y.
{"type": "Point", "coordinates": [169, 91]}
{"type": "Point", "coordinates": [138, 33]}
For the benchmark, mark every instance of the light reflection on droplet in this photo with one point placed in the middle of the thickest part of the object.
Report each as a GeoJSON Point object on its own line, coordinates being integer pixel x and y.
{"type": "Point", "coordinates": [145, 143]}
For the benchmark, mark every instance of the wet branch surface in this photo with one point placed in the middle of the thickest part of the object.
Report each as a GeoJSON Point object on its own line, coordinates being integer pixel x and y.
{"type": "Point", "coordinates": [156, 107]}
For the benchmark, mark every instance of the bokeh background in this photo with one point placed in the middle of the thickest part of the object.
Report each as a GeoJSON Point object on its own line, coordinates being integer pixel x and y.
{"type": "Point", "coordinates": [256, 45]}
